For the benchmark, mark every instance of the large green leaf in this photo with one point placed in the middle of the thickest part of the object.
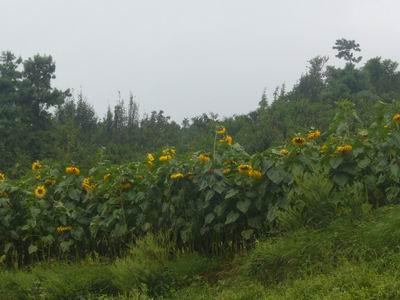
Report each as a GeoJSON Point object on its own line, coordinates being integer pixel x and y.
{"type": "Point", "coordinates": [335, 162]}
{"type": "Point", "coordinates": [243, 205]}
{"type": "Point", "coordinates": [231, 193]}
{"type": "Point", "coordinates": [231, 217]}
{"type": "Point", "coordinates": [209, 218]}
{"type": "Point", "coordinates": [32, 249]}
{"type": "Point", "coordinates": [276, 175]}
{"type": "Point", "coordinates": [209, 195]}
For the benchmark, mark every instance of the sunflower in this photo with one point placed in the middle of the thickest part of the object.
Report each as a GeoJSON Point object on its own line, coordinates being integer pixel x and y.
{"type": "Point", "coordinates": [72, 170]}
{"type": "Point", "coordinates": [298, 140]}
{"type": "Point", "coordinates": [203, 158]}
{"type": "Point", "coordinates": [40, 191]}
{"type": "Point", "coordinates": [165, 158]}
{"type": "Point", "coordinates": [284, 152]}
{"type": "Point", "coordinates": [176, 176]}
{"type": "Point", "coordinates": [2, 176]}
{"type": "Point", "coordinates": [255, 174]}
{"type": "Point", "coordinates": [169, 151]}
{"type": "Point", "coordinates": [344, 149]}
{"type": "Point", "coordinates": [221, 130]}
{"type": "Point", "coordinates": [227, 139]}
{"type": "Point", "coordinates": [36, 165]}
{"type": "Point", "coordinates": [313, 134]}
{"type": "Point", "coordinates": [63, 229]}
{"type": "Point", "coordinates": [150, 158]}
{"type": "Point", "coordinates": [87, 185]}
{"type": "Point", "coordinates": [245, 168]}
{"type": "Point", "coordinates": [396, 118]}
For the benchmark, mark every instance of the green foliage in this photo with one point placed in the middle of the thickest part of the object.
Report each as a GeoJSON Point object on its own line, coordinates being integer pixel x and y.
{"type": "Point", "coordinates": [306, 253]}
{"type": "Point", "coordinates": [210, 203]}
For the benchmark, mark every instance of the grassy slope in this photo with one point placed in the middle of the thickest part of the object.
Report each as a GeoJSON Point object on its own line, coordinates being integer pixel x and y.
{"type": "Point", "coordinates": [346, 260]}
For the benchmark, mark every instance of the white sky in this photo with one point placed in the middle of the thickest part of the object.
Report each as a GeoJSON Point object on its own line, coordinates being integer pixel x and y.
{"type": "Point", "coordinates": [187, 57]}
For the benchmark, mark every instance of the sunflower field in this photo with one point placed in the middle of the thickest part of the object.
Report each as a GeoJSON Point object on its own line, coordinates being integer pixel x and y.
{"type": "Point", "coordinates": [206, 201]}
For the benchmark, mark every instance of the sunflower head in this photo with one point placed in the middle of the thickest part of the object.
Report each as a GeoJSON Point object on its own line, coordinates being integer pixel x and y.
{"type": "Point", "coordinates": [396, 118]}
{"type": "Point", "coordinates": [229, 140]}
{"type": "Point", "coordinates": [343, 149]}
{"type": "Point", "coordinates": [169, 151]}
{"type": "Point", "coordinates": [87, 185]}
{"type": "Point", "coordinates": [245, 169]}
{"type": "Point", "coordinates": [165, 158]}
{"type": "Point", "coordinates": [36, 165]}
{"type": "Point", "coordinates": [221, 130]}
{"type": "Point", "coordinates": [63, 229]}
{"type": "Point", "coordinates": [72, 170]}
{"type": "Point", "coordinates": [203, 158]}
{"type": "Point", "coordinates": [313, 134]}
{"type": "Point", "coordinates": [284, 152]}
{"type": "Point", "coordinates": [40, 191]}
{"type": "Point", "coordinates": [255, 174]}
{"type": "Point", "coordinates": [150, 158]}
{"type": "Point", "coordinates": [176, 176]}
{"type": "Point", "coordinates": [2, 176]}
{"type": "Point", "coordinates": [298, 141]}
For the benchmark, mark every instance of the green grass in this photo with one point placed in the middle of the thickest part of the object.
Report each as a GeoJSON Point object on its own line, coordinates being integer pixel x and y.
{"type": "Point", "coordinates": [345, 260]}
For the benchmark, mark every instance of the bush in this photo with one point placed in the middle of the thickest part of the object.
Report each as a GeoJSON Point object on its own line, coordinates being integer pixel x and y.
{"type": "Point", "coordinates": [306, 253]}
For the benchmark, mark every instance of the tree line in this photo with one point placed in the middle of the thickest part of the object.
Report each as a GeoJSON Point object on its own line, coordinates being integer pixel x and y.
{"type": "Point", "coordinates": [39, 121]}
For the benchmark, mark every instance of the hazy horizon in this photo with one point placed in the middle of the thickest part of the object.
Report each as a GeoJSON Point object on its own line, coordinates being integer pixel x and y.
{"type": "Point", "coordinates": [186, 58]}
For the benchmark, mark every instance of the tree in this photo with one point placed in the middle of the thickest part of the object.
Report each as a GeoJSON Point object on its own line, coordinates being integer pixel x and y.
{"type": "Point", "coordinates": [346, 49]}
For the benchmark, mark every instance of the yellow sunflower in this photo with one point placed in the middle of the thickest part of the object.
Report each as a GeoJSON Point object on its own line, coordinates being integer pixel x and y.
{"type": "Point", "coordinates": [36, 165]}
{"type": "Point", "coordinates": [313, 134]}
{"type": "Point", "coordinates": [165, 158]}
{"type": "Point", "coordinates": [87, 185]}
{"type": "Point", "coordinates": [344, 149]}
{"type": "Point", "coordinates": [284, 152]}
{"type": "Point", "coordinates": [63, 229]}
{"type": "Point", "coordinates": [244, 168]}
{"type": "Point", "coordinates": [204, 157]}
{"type": "Point", "coordinates": [150, 158]}
{"type": "Point", "coordinates": [221, 130]}
{"type": "Point", "coordinates": [176, 176]}
{"type": "Point", "coordinates": [72, 170]}
{"type": "Point", "coordinates": [298, 141]}
{"type": "Point", "coordinates": [40, 191]}
{"type": "Point", "coordinates": [255, 174]}
{"type": "Point", "coordinates": [396, 118]}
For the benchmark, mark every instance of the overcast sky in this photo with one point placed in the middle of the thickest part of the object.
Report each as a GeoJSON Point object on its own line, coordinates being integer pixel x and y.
{"type": "Point", "coordinates": [187, 57]}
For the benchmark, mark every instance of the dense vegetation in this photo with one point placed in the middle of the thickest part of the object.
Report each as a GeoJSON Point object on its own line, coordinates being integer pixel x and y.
{"type": "Point", "coordinates": [145, 206]}
{"type": "Point", "coordinates": [208, 202]}
{"type": "Point", "coordinates": [348, 259]}
{"type": "Point", "coordinates": [38, 121]}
